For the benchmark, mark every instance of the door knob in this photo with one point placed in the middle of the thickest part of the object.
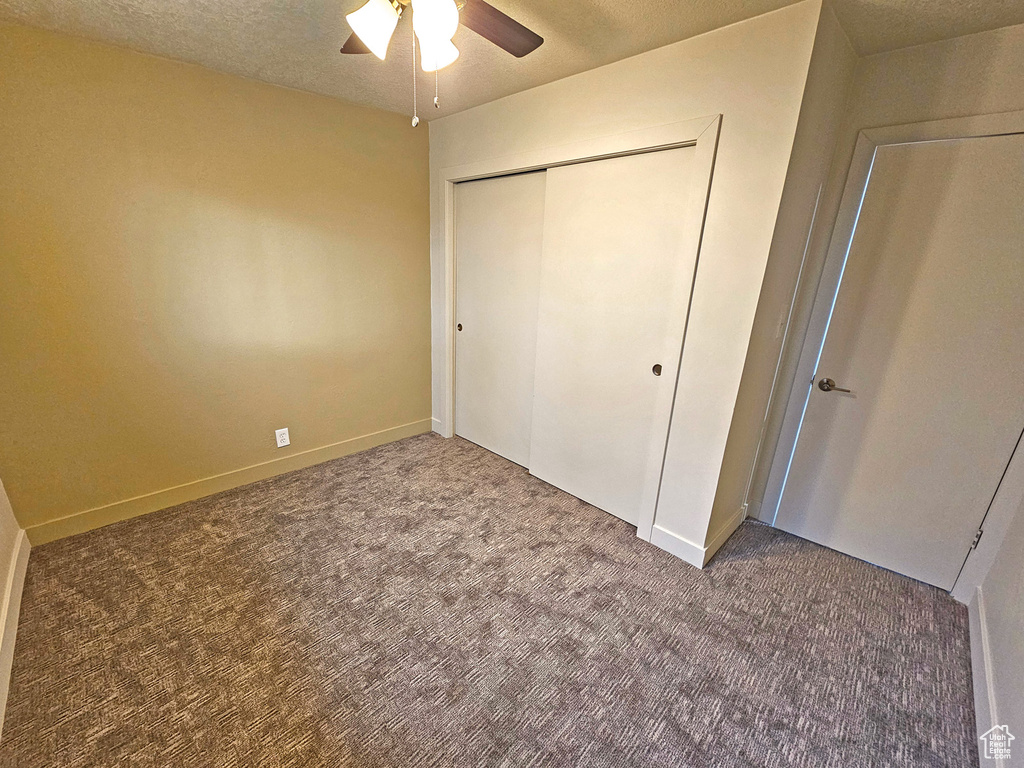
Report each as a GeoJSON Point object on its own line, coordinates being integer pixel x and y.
{"type": "Point", "coordinates": [656, 370]}
{"type": "Point", "coordinates": [827, 385]}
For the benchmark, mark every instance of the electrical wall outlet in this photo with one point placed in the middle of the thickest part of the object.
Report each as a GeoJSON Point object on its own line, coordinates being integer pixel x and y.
{"type": "Point", "coordinates": [282, 437]}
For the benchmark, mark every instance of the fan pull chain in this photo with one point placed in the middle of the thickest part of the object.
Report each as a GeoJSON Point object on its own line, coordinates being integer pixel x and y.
{"type": "Point", "coordinates": [415, 117]}
{"type": "Point", "coordinates": [437, 105]}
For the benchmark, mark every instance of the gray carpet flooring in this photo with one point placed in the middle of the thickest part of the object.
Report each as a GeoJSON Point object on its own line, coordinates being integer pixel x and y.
{"type": "Point", "coordinates": [428, 603]}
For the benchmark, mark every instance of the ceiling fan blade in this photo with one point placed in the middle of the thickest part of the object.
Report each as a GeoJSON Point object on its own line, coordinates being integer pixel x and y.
{"type": "Point", "coordinates": [504, 31]}
{"type": "Point", "coordinates": [354, 45]}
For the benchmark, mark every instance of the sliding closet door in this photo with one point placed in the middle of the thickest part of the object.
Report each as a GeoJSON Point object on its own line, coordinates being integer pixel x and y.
{"type": "Point", "coordinates": [614, 264]}
{"type": "Point", "coordinates": [499, 224]}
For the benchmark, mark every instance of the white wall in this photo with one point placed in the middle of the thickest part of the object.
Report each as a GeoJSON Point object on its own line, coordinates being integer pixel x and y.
{"type": "Point", "coordinates": [971, 75]}
{"type": "Point", "coordinates": [992, 582]}
{"type": "Point", "coordinates": [1003, 596]}
{"type": "Point", "coordinates": [14, 549]}
{"type": "Point", "coordinates": [753, 73]}
{"type": "Point", "coordinates": [829, 80]}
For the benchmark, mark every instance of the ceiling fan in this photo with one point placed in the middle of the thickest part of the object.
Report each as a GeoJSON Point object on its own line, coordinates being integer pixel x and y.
{"type": "Point", "coordinates": [435, 23]}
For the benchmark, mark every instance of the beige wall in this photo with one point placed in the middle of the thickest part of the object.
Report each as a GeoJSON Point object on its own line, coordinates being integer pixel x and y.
{"type": "Point", "coordinates": [971, 75]}
{"type": "Point", "coordinates": [829, 80]}
{"type": "Point", "coordinates": [753, 73]}
{"type": "Point", "coordinates": [188, 261]}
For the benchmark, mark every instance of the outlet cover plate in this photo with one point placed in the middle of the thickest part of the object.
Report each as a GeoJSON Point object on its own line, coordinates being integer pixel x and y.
{"type": "Point", "coordinates": [282, 437]}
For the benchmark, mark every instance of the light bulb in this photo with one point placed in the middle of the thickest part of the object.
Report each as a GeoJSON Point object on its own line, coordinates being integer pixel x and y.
{"type": "Point", "coordinates": [374, 24]}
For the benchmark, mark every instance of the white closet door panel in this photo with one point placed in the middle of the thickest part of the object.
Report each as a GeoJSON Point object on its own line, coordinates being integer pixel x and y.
{"type": "Point", "coordinates": [499, 226]}
{"type": "Point", "coordinates": [616, 260]}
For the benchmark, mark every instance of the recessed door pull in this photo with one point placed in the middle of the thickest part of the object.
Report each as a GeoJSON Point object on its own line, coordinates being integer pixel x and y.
{"type": "Point", "coordinates": [656, 370]}
{"type": "Point", "coordinates": [827, 385]}
{"type": "Point", "coordinates": [458, 327]}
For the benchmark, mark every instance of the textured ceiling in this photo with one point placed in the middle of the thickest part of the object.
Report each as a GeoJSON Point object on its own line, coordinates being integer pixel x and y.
{"type": "Point", "coordinates": [295, 42]}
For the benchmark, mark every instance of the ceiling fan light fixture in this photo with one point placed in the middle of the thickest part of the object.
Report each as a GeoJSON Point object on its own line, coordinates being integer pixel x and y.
{"type": "Point", "coordinates": [437, 56]}
{"type": "Point", "coordinates": [374, 24]}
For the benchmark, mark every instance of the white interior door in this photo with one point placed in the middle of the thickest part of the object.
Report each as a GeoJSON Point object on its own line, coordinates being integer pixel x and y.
{"type": "Point", "coordinates": [616, 260]}
{"type": "Point", "coordinates": [499, 225]}
{"type": "Point", "coordinates": [928, 334]}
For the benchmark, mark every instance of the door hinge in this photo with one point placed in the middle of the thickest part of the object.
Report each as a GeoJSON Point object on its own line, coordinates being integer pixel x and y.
{"type": "Point", "coordinates": [977, 538]}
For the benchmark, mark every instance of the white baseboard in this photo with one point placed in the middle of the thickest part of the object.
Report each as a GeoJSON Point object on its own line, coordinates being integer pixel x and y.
{"type": "Point", "coordinates": [89, 519]}
{"type": "Point", "coordinates": [696, 554]}
{"type": "Point", "coordinates": [719, 537]}
{"type": "Point", "coordinates": [981, 669]}
{"type": "Point", "coordinates": [676, 545]}
{"type": "Point", "coordinates": [436, 426]}
{"type": "Point", "coordinates": [9, 615]}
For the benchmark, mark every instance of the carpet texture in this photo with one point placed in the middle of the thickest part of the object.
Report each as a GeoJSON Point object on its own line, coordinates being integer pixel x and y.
{"type": "Point", "coordinates": [427, 603]}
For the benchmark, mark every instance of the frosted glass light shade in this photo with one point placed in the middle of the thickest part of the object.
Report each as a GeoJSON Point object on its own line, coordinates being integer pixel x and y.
{"type": "Point", "coordinates": [374, 24]}
{"type": "Point", "coordinates": [434, 20]}
{"type": "Point", "coordinates": [437, 56]}
{"type": "Point", "coordinates": [435, 23]}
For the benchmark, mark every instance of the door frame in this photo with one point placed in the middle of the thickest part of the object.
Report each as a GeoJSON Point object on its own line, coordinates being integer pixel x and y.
{"type": "Point", "coordinates": [843, 232]}
{"type": "Point", "coordinates": [701, 133]}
